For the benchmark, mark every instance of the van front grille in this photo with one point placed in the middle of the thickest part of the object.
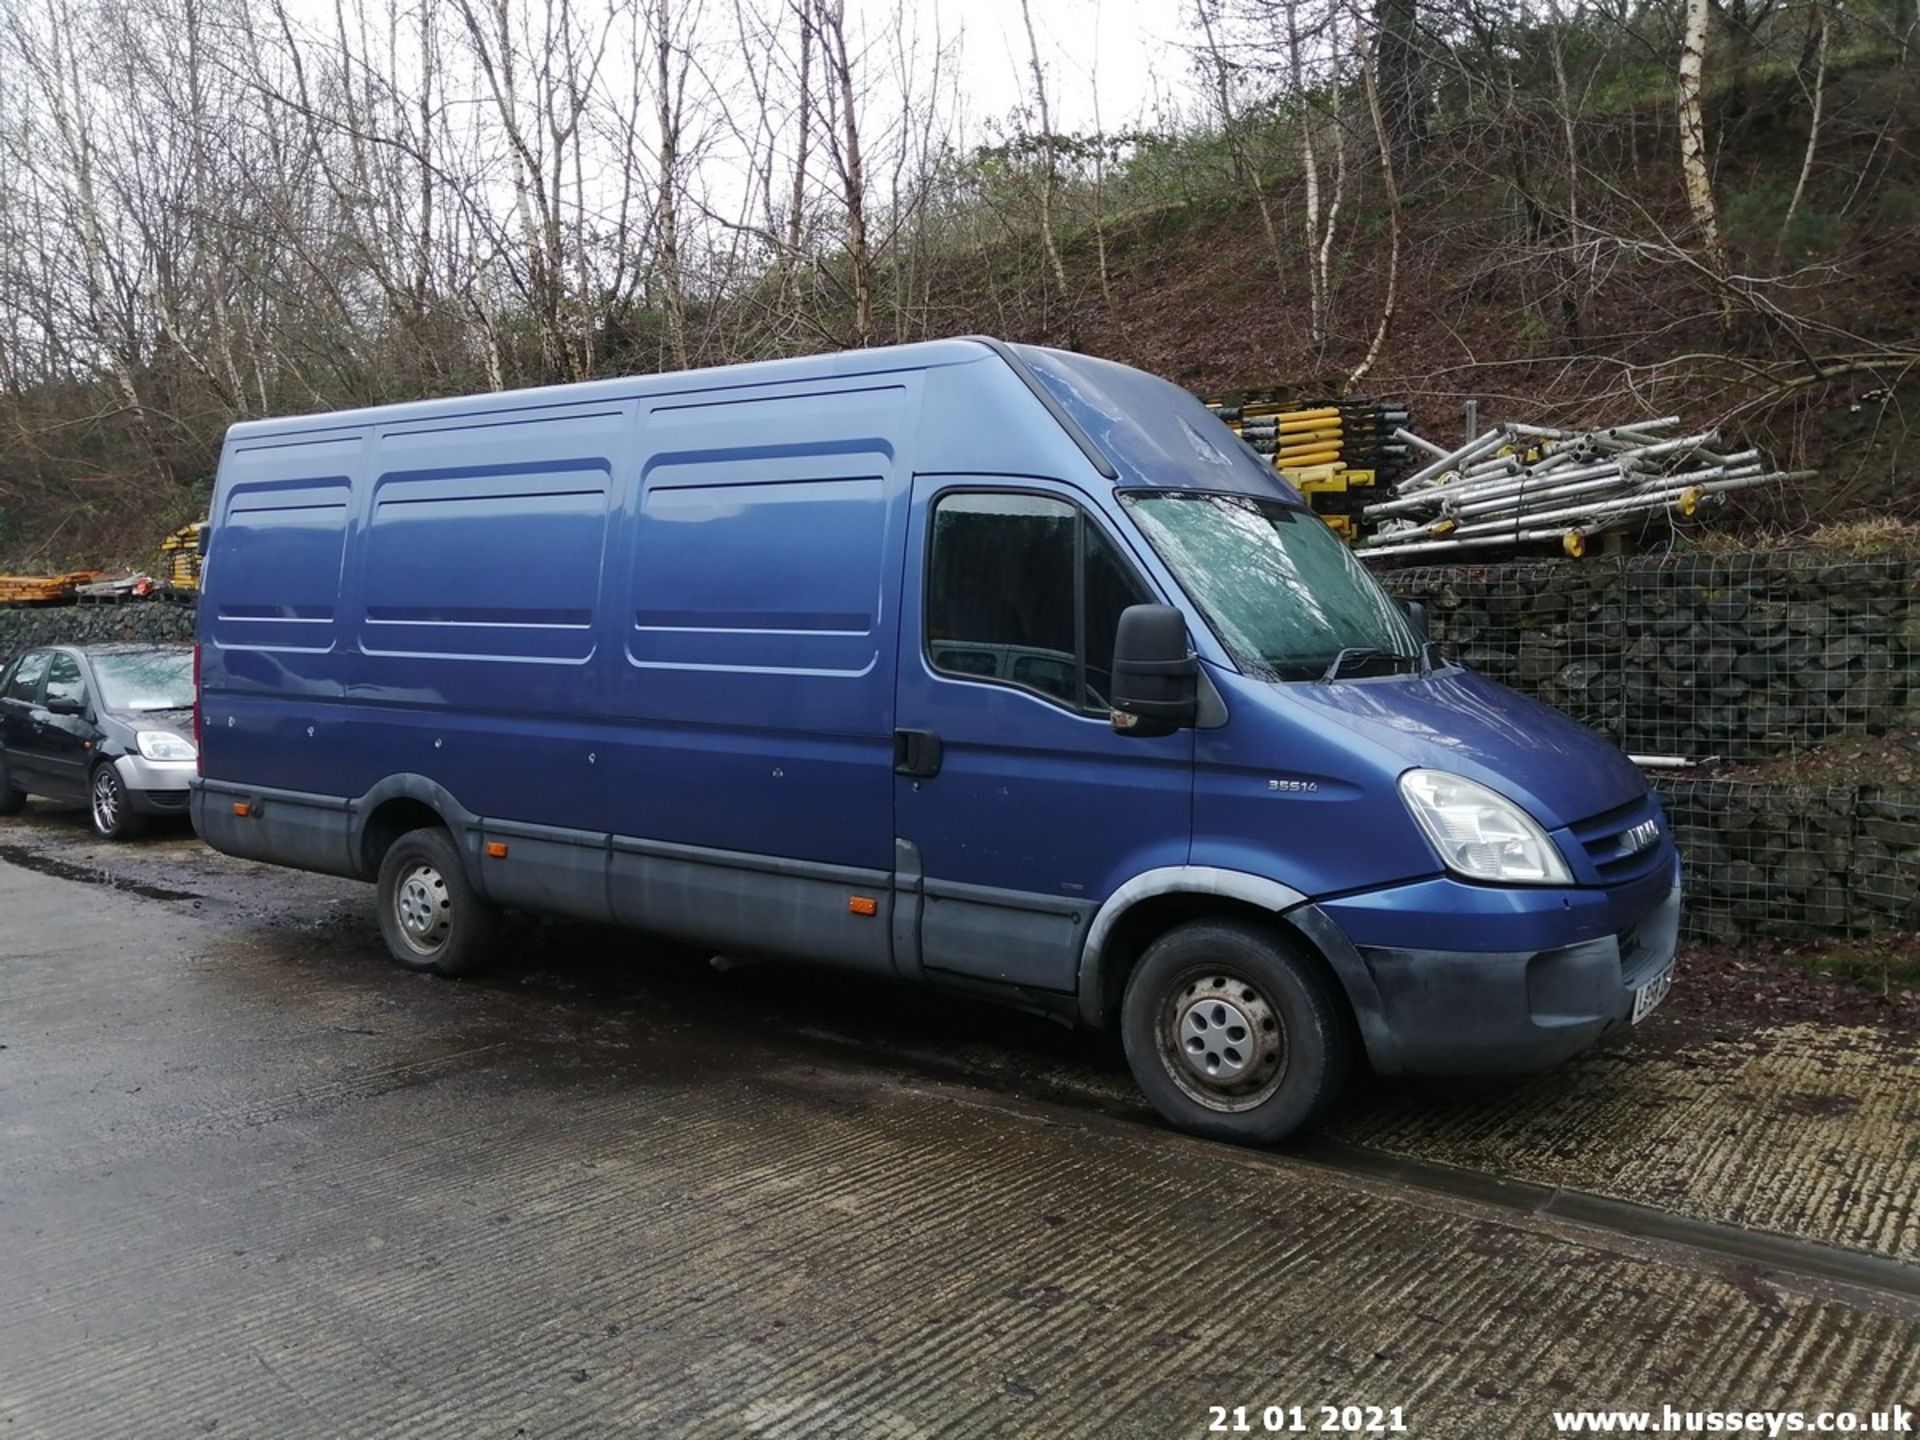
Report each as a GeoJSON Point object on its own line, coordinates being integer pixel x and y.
{"type": "Point", "coordinates": [1613, 840]}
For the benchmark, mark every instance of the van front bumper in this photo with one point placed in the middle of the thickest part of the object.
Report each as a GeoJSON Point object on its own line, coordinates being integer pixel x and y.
{"type": "Point", "coordinates": [1459, 1011]}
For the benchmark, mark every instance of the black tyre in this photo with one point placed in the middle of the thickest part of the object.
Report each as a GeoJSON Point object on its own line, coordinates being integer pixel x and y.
{"type": "Point", "coordinates": [12, 801]}
{"type": "Point", "coordinates": [432, 919]}
{"type": "Point", "coordinates": [1234, 1035]}
{"type": "Point", "coordinates": [110, 807]}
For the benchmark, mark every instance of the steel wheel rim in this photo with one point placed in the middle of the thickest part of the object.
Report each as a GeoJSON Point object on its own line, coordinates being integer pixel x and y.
{"type": "Point", "coordinates": [106, 803]}
{"type": "Point", "coordinates": [422, 908]}
{"type": "Point", "coordinates": [1222, 1039]}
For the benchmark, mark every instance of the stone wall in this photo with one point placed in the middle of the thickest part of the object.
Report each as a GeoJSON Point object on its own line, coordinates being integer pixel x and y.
{"type": "Point", "coordinates": [24, 626]}
{"type": "Point", "coordinates": [1737, 659]}
{"type": "Point", "coordinates": [1741, 657]}
{"type": "Point", "coordinates": [1795, 860]}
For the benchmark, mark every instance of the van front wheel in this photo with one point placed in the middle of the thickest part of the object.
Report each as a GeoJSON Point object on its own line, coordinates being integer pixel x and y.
{"type": "Point", "coordinates": [430, 916]}
{"type": "Point", "coordinates": [1232, 1035]}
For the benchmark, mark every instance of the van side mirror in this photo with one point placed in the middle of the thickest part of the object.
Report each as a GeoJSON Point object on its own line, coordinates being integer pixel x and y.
{"type": "Point", "coordinates": [1418, 616]}
{"type": "Point", "coordinates": [1156, 679]}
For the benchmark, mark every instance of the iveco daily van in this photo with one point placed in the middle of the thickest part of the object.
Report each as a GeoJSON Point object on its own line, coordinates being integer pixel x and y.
{"type": "Point", "coordinates": [983, 666]}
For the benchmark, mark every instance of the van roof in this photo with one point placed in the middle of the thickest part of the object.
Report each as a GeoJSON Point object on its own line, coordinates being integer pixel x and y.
{"type": "Point", "coordinates": [1135, 429]}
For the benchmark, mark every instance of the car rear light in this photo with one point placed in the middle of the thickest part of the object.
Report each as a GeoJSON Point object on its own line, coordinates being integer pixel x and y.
{"type": "Point", "coordinates": [196, 709]}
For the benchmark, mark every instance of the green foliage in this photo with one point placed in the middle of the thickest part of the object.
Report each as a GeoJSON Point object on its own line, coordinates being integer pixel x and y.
{"type": "Point", "coordinates": [1535, 333]}
{"type": "Point", "coordinates": [1753, 219]}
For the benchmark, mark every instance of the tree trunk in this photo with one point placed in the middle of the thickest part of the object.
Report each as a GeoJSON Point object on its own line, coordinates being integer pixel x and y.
{"type": "Point", "coordinates": [832, 18]}
{"type": "Point", "coordinates": [1693, 150]}
{"type": "Point", "coordinates": [1047, 179]}
{"type": "Point", "coordinates": [1317, 320]}
{"type": "Point", "coordinates": [668, 116]}
{"type": "Point", "coordinates": [1383, 139]}
{"type": "Point", "coordinates": [797, 201]}
{"type": "Point", "coordinates": [1399, 74]}
{"type": "Point", "coordinates": [1824, 21]}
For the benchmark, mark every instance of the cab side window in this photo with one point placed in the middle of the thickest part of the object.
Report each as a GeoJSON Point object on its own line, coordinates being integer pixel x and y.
{"type": "Point", "coordinates": [25, 684]}
{"type": "Point", "coordinates": [64, 681]}
{"type": "Point", "coordinates": [1025, 590]}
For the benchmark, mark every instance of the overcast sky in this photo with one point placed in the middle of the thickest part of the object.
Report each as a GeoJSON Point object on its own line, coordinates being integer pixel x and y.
{"type": "Point", "coordinates": [1135, 47]}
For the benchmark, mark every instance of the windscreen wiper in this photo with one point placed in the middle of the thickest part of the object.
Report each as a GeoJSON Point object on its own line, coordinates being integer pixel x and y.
{"type": "Point", "coordinates": [1422, 661]}
{"type": "Point", "coordinates": [1350, 652]}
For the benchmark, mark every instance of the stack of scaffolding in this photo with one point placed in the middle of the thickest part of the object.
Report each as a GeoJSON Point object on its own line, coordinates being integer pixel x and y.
{"type": "Point", "coordinates": [1527, 484]}
{"type": "Point", "coordinates": [1335, 452]}
{"type": "Point", "coordinates": [181, 552]}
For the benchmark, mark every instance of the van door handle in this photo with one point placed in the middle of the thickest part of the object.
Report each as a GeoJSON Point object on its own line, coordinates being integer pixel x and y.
{"type": "Point", "coordinates": [916, 753]}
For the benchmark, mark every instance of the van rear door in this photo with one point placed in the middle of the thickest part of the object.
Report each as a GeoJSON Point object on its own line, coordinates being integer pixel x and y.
{"type": "Point", "coordinates": [1020, 805]}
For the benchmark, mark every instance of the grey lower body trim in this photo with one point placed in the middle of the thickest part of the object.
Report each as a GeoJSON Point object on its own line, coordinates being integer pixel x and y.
{"type": "Point", "coordinates": [1012, 938]}
{"type": "Point", "coordinates": [909, 903]}
{"type": "Point", "coordinates": [753, 904]}
{"type": "Point", "coordinates": [281, 827]}
{"type": "Point", "coordinates": [549, 869]}
{"type": "Point", "coordinates": [746, 860]}
{"type": "Point", "coordinates": [1016, 946]}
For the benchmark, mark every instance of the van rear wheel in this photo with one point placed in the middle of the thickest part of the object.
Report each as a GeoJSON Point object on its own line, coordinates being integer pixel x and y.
{"type": "Point", "coordinates": [1233, 1035]}
{"type": "Point", "coordinates": [432, 919]}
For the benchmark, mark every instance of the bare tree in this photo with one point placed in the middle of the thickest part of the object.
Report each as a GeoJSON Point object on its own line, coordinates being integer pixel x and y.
{"type": "Point", "coordinates": [1391, 190]}
{"type": "Point", "coordinates": [843, 145]}
{"type": "Point", "coordinates": [669, 100]}
{"type": "Point", "coordinates": [1823, 24]}
{"type": "Point", "coordinates": [1693, 147]}
{"type": "Point", "coordinates": [1246, 170]}
{"type": "Point", "coordinates": [1049, 172]}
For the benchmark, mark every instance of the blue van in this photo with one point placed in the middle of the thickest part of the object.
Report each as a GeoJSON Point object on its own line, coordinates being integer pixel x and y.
{"type": "Point", "coordinates": [983, 666]}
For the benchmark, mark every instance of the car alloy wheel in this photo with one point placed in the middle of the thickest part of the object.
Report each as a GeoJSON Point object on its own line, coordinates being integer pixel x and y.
{"type": "Point", "coordinates": [107, 804]}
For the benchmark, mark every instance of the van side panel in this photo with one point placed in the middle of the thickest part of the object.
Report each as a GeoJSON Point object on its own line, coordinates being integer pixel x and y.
{"type": "Point", "coordinates": [475, 595]}
{"type": "Point", "coordinates": [753, 690]}
{"type": "Point", "coordinates": [640, 634]}
{"type": "Point", "coordinates": [271, 646]}
{"type": "Point", "coordinates": [271, 630]}
{"type": "Point", "coordinates": [751, 696]}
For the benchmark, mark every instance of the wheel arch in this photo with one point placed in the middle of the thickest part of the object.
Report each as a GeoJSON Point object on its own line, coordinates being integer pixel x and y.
{"type": "Point", "coordinates": [1153, 902]}
{"type": "Point", "coordinates": [401, 803]}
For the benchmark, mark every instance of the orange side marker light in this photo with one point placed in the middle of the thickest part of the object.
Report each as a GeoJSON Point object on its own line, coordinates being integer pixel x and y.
{"type": "Point", "coordinates": [242, 809]}
{"type": "Point", "coordinates": [863, 905]}
{"type": "Point", "coordinates": [496, 850]}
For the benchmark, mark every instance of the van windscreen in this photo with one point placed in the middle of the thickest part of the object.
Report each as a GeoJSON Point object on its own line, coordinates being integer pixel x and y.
{"type": "Point", "coordinates": [1281, 590]}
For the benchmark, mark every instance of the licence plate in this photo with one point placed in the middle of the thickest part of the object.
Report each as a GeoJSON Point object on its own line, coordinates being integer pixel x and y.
{"type": "Point", "coordinates": [1648, 997]}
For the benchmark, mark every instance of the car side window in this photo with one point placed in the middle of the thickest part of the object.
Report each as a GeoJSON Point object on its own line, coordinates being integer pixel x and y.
{"type": "Point", "coordinates": [25, 684]}
{"type": "Point", "coordinates": [1026, 590]}
{"type": "Point", "coordinates": [64, 681]}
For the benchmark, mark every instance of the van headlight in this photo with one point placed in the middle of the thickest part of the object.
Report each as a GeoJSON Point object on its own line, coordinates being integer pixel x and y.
{"type": "Point", "coordinates": [164, 745]}
{"type": "Point", "coordinates": [1480, 834]}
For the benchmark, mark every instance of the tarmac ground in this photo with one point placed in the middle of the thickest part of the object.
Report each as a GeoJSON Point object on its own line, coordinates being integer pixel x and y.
{"type": "Point", "coordinates": [255, 1180]}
